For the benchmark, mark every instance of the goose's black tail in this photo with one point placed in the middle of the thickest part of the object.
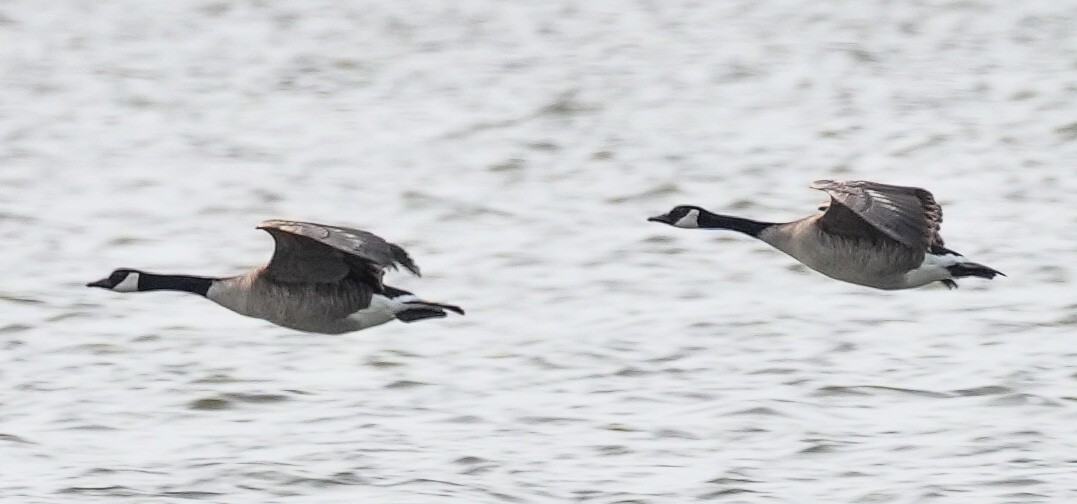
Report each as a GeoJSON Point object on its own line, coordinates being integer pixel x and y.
{"type": "Point", "coordinates": [424, 310]}
{"type": "Point", "coordinates": [418, 309]}
{"type": "Point", "coordinates": [969, 269]}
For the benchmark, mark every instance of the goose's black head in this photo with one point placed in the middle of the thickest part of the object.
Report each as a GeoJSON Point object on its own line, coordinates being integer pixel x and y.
{"type": "Point", "coordinates": [121, 280]}
{"type": "Point", "coordinates": [682, 216]}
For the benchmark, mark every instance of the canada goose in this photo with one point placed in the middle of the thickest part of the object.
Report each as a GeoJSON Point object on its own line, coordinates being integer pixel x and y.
{"type": "Point", "coordinates": [321, 279]}
{"type": "Point", "coordinates": [870, 234]}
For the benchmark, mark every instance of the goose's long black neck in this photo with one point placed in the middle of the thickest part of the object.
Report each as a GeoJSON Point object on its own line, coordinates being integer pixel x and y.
{"type": "Point", "coordinates": [749, 227]}
{"type": "Point", "coordinates": [186, 283]}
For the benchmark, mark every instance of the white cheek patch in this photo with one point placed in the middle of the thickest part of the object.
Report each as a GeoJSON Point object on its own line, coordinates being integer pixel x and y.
{"type": "Point", "coordinates": [690, 220]}
{"type": "Point", "coordinates": [128, 284]}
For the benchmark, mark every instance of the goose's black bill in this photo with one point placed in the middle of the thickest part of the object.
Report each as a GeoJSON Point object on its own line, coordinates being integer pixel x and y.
{"type": "Point", "coordinates": [664, 218]}
{"type": "Point", "coordinates": [102, 283]}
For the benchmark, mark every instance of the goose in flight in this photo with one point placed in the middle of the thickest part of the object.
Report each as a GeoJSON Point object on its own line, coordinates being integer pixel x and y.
{"type": "Point", "coordinates": [321, 279]}
{"type": "Point", "coordinates": [871, 234]}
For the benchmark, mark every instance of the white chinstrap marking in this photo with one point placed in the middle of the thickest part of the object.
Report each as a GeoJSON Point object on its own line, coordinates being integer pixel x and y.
{"type": "Point", "coordinates": [128, 284]}
{"type": "Point", "coordinates": [689, 221]}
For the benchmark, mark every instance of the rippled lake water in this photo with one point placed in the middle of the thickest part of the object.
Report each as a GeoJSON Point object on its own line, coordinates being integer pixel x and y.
{"type": "Point", "coordinates": [515, 148]}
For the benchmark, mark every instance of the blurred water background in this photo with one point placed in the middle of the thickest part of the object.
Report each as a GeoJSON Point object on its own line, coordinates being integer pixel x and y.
{"type": "Point", "coordinates": [515, 148]}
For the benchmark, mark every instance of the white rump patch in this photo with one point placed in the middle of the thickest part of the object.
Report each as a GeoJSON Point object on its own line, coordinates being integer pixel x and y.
{"type": "Point", "coordinates": [942, 260]}
{"type": "Point", "coordinates": [381, 310]}
{"type": "Point", "coordinates": [932, 269]}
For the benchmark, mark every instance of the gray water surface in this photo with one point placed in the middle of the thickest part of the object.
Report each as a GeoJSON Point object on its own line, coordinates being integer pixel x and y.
{"type": "Point", "coordinates": [516, 149]}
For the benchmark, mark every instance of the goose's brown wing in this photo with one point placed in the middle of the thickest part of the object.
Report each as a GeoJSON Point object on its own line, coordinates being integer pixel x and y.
{"type": "Point", "coordinates": [908, 215]}
{"type": "Point", "coordinates": [308, 252]}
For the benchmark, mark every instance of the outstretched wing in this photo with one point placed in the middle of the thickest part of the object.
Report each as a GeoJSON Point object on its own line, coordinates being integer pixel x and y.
{"type": "Point", "coordinates": [909, 215]}
{"type": "Point", "coordinates": [309, 252]}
